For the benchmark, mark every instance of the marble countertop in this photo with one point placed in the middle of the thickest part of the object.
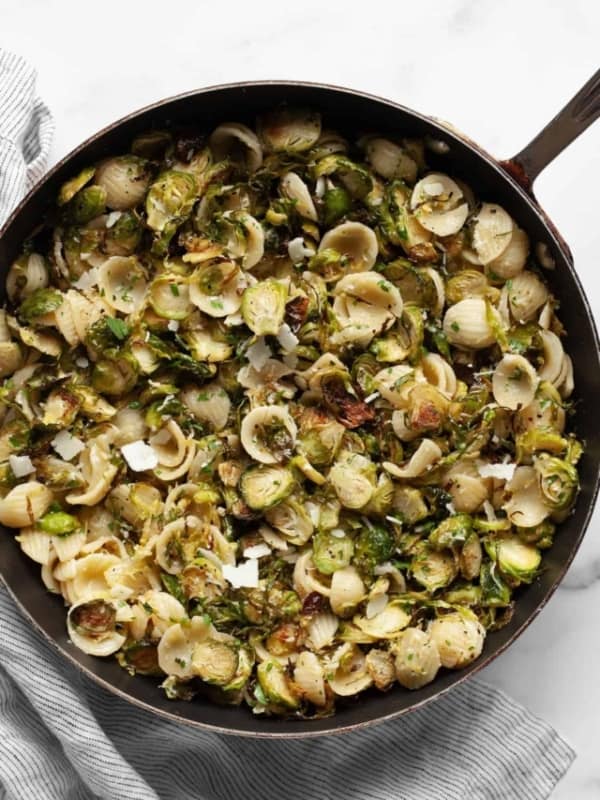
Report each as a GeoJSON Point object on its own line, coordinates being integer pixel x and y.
{"type": "Point", "coordinates": [498, 71]}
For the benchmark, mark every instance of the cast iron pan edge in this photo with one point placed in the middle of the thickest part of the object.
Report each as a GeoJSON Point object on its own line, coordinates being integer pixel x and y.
{"type": "Point", "coordinates": [351, 110]}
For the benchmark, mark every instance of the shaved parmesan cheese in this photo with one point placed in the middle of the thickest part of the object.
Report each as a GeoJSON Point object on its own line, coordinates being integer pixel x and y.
{"type": "Point", "coordinates": [21, 466]}
{"type": "Point", "coordinates": [395, 520]}
{"type": "Point", "coordinates": [82, 362]}
{"type": "Point", "coordinates": [433, 189]}
{"type": "Point", "coordinates": [489, 511]}
{"type": "Point", "coordinates": [67, 446]}
{"type": "Point", "coordinates": [376, 605]}
{"type": "Point", "coordinates": [314, 512]}
{"type": "Point", "coordinates": [139, 456]}
{"type": "Point", "coordinates": [297, 251]}
{"type": "Point", "coordinates": [173, 325]}
{"type": "Point", "coordinates": [372, 397]}
{"type": "Point", "coordinates": [338, 533]}
{"type": "Point", "coordinates": [321, 186]}
{"type": "Point", "coordinates": [257, 551]}
{"type": "Point", "coordinates": [502, 472]}
{"type": "Point", "coordinates": [450, 508]}
{"type": "Point", "coordinates": [113, 217]}
{"type": "Point", "coordinates": [287, 339]}
{"type": "Point", "coordinates": [258, 353]}
{"type": "Point", "coordinates": [244, 575]}
{"type": "Point", "coordinates": [87, 280]}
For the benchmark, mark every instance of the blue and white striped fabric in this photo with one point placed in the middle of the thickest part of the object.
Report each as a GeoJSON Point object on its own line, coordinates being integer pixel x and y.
{"type": "Point", "coordinates": [63, 738]}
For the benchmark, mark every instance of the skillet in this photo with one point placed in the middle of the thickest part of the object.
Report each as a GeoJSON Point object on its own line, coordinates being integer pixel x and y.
{"type": "Point", "coordinates": [507, 183]}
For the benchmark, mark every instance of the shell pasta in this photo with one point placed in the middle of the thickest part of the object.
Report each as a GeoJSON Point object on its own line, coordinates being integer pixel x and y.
{"type": "Point", "coordinates": [285, 413]}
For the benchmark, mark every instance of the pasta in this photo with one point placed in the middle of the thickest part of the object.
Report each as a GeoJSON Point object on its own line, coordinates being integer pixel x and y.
{"type": "Point", "coordinates": [285, 416]}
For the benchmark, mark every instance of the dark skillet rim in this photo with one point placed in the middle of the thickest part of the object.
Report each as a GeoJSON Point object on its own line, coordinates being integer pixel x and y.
{"type": "Point", "coordinates": [449, 133]}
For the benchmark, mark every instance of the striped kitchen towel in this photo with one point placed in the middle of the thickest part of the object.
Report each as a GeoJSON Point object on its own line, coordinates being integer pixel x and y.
{"type": "Point", "coordinates": [64, 738]}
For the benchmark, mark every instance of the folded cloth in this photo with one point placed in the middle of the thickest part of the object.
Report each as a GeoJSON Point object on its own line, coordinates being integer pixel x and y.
{"type": "Point", "coordinates": [64, 738]}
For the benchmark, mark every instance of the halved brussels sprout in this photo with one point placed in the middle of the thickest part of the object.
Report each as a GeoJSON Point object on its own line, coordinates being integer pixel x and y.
{"type": "Point", "coordinates": [535, 440]}
{"type": "Point", "coordinates": [93, 618]}
{"type": "Point", "coordinates": [273, 681]}
{"type": "Point", "coordinates": [69, 189]}
{"type": "Point", "coordinates": [263, 307]}
{"type": "Point", "coordinates": [431, 568]}
{"type": "Point", "coordinates": [454, 530]}
{"type": "Point", "coordinates": [357, 180]}
{"type": "Point", "coordinates": [336, 204]}
{"type": "Point", "coordinates": [87, 204]}
{"type": "Point", "coordinates": [289, 130]}
{"type": "Point", "coordinates": [409, 505]}
{"type": "Point", "coordinates": [517, 559]}
{"type": "Point", "coordinates": [115, 376]}
{"type": "Point", "coordinates": [168, 203]}
{"type": "Point", "coordinates": [559, 481]}
{"type": "Point", "coordinates": [215, 662]}
{"type": "Point", "coordinates": [388, 623]}
{"type": "Point", "coordinates": [264, 486]}
{"type": "Point", "coordinates": [331, 552]}
{"type": "Point", "coordinates": [140, 658]}
{"type": "Point", "coordinates": [353, 479]}
{"type": "Point", "coordinates": [374, 545]}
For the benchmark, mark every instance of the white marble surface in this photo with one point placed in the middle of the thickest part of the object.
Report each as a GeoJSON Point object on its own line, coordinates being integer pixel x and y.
{"type": "Point", "coordinates": [497, 70]}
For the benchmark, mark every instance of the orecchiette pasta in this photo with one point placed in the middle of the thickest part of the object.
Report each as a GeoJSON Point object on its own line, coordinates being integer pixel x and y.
{"type": "Point", "coordinates": [284, 413]}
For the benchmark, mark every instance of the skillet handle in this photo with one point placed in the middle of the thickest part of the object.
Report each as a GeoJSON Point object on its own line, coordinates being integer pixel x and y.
{"type": "Point", "coordinates": [566, 126]}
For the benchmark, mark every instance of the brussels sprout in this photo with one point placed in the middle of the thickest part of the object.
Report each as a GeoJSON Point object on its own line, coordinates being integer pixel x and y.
{"type": "Point", "coordinates": [151, 144]}
{"type": "Point", "coordinates": [94, 617]}
{"type": "Point", "coordinates": [330, 552]}
{"type": "Point", "coordinates": [388, 623]}
{"type": "Point", "coordinates": [215, 662]}
{"type": "Point", "coordinates": [336, 204]}
{"type": "Point", "coordinates": [353, 479]}
{"type": "Point", "coordinates": [517, 559]}
{"type": "Point", "coordinates": [542, 535]}
{"type": "Point", "coordinates": [69, 189]}
{"type": "Point", "coordinates": [321, 443]}
{"type": "Point", "coordinates": [264, 486]}
{"type": "Point", "coordinates": [467, 595]}
{"type": "Point", "coordinates": [409, 505]}
{"type": "Point", "coordinates": [58, 474]}
{"type": "Point", "coordinates": [340, 399]}
{"type": "Point", "coordinates": [494, 591]}
{"type": "Point", "coordinates": [382, 498]}
{"type": "Point", "coordinates": [415, 284]}
{"type": "Point", "coordinates": [140, 658]}
{"type": "Point", "coordinates": [58, 523]}
{"type": "Point", "coordinates": [374, 545]}
{"type": "Point", "coordinates": [86, 205]}
{"type": "Point", "coordinates": [124, 237]}
{"type": "Point", "coordinates": [289, 130]}
{"type": "Point", "coordinates": [272, 678]}
{"type": "Point", "coordinates": [357, 180]}
{"type": "Point", "coordinates": [105, 334]}
{"type": "Point", "coordinates": [243, 671]}
{"type": "Point", "coordinates": [40, 303]}
{"type": "Point", "coordinates": [466, 283]}
{"type": "Point", "coordinates": [115, 376]}
{"type": "Point", "coordinates": [427, 408]}
{"type": "Point", "coordinates": [533, 441]}
{"type": "Point", "coordinates": [559, 481]}
{"type": "Point", "coordinates": [202, 579]}
{"type": "Point", "coordinates": [389, 349]}
{"type": "Point", "coordinates": [168, 203]}
{"type": "Point", "coordinates": [263, 307]}
{"type": "Point", "coordinates": [522, 338]}
{"type": "Point", "coordinates": [364, 369]}
{"type": "Point", "coordinates": [431, 568]}
{"type": "Point", "coordinates": [173, 586]}
{"type": "Point", "coordinates": [454, 530]}
{"type": "Point", "coordinates": [470, 557]}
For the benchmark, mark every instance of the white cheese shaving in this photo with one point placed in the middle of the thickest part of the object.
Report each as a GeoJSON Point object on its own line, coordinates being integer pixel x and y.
{"type": "Point", "coordinates": [20, 466]}
{"type": "Point", "coordinates": [450, 508]}
{"type": "Point", "coordinates": [434, 188]}
{"type": "Point", "coordinates": [87, 279]}
{"type": "Point", "coordinates": [314, 512]}
{"type": "Point", "coordinates": [244, 575]}
{"type": "Point", "coordinates": [139, 456]}
{"type": "Point", "coordinates": [287, 339]}
{"type": "Point", "coordinates": [67, 446]}
{"type": "Point", "coordinates": [257, 551]}
{"type": "Point", "coordinates": [231, 320]}
{"type": "Point", "coordinates": [321, 186]}
{"type": "Point", "coordinates": [338, 533]}
{"type": "Point", "coordinates": [82, 362]}
{"type": "Point", "coordinates": [372, 397]}
{"type": "Point", "coordinates": [489, 511]}
{"type": "Point", "coordinates": [173, 325]}
{"type": "Point", "coordinates": [502, 472]}
{"type": "Point", "coordinates": [297, 250]}
{"type": "Point", "coordinates": [258, 353]}
{"type": "Point", "coordinates": [376, 605]}
{"type": "Point", "coordinates": [395, 520]}
{"type": "Point", "coordinates": [113, 217]}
